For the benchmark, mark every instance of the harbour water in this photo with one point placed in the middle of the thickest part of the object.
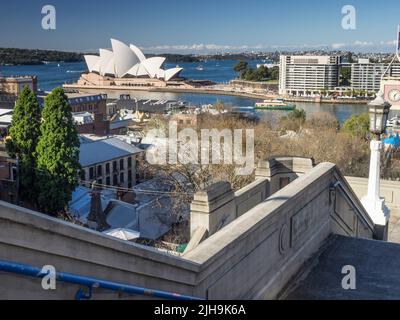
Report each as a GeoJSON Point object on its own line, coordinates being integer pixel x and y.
{"type": "Point", "coordinates": [53, 75]}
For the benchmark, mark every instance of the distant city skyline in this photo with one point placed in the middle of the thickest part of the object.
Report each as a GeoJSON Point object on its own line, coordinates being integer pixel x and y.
{"type": "Point", "coordinates": [208, 27]}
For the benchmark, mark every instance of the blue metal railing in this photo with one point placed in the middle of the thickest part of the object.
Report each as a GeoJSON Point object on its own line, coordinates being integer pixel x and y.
{"type": "Point", "coordinates": [90, 283]}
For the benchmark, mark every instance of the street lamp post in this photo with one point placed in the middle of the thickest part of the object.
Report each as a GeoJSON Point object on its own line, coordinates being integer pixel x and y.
{"type": "Point", "coordinates": [373, 203]}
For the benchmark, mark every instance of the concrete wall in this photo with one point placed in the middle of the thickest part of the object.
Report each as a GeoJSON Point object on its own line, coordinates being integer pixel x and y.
{"type": "Point", "coordinates": [348, 216]}
{"type": "Point", "coordinates": [253, 257]}
{"type": "Point", "coordinates": [251, 195]}
{"type": "Point", "coordinates": [390, 190]}
{"type": "Point", "coordinates": [281, 169]}
{"type": "Point", "coordinates": [260, 86]}
{"type": "Point", "coordinates": [31, 238]}
{"type": "Point", "coordinates": [218, 205]}
{"type": "Point", "coordinates": [259, 252]}
{"type": "Point", "coordinates": [213, 208]}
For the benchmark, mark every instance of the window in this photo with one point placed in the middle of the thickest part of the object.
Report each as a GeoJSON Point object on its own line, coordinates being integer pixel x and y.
{"type": "Point", "coordinates": [122, 178]}
{"type": "Point", "coordinates": [108, 181]}
{"type": "Point", "coordinates": [115, 180]}
{"type": "Point", "coordinates": [14, 173]}
{"type": "Point", "coordinates": [99, 171]}
{"type": "Point", "coordinates": [130, 176]}
{"type": "Point", "coordinates": [100, 181]}
{"type": "Point", "coordinates": [115, 166]}
{"type": "Point", "coordinates": [91, 173]}
{"type": "Point", "coordinates": [121, 164]}
{"type": "Point", "coordinates": [107, 168]}
{"type": "Point", "coordinates": [130, 162]}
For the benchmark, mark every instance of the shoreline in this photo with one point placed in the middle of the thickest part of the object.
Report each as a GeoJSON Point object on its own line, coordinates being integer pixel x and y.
{"type": "Point", "coordinates": [211, 91]}
{"type": "Point", "coordinates": [328, 101]}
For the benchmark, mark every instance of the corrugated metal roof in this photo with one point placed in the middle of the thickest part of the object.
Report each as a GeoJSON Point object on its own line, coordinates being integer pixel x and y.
{"type": "Point", "coordinates": [79, 206]}
{"type": "Point", "coordinates": [5, 111]}
{"type": "Point", "coordinates": [100, 151]}
{"type": "Point", "coordinates": [6, 119]}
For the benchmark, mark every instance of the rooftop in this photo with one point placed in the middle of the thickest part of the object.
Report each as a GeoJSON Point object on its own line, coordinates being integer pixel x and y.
{"type": "Point", "coordinates": [77, 98]}
{"type": "Point", "coordinates": [151, 106]}
{"type": "Point", "coordinates": [106, 149]}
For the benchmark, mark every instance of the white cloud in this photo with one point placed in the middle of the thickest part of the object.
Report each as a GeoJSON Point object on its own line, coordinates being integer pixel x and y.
{"type": "Point", "coordinates": [358, 43]}
{"type": "Point", "coordinates": [391, 43]}
{"type": "Point", "coordinates": [202, 48]}
{"type": "Point", "coordinates": [338, 45]}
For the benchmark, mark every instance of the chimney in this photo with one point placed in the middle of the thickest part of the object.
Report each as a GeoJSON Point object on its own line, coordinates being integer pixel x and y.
{"type": "Point", "coordinates": [97, 219]}
{"type": "Point", "coordinates": [101, 127]}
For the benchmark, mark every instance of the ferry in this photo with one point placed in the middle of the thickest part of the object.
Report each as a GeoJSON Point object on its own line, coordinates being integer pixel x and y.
{"type": "Point", "coordinates": [393, 122]}
{"type": "Point", "coordinates": [275, 104]}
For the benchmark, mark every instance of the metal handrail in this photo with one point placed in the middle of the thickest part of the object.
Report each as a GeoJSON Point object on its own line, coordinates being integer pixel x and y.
{"type": "Point", "coordinates": [89, 282]}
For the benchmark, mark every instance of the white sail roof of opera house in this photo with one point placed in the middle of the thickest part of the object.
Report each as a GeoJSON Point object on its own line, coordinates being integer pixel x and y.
{"type": "Point", "coordinates": [128, 61]}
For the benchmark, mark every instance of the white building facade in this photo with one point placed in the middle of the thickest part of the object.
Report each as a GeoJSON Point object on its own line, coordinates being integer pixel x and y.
{"type": "Point", "coordinates": [300, 75]}
{"type": "Point", "coordinates": [367, 76]}
{"type": "Point", "coordinates": [129, 62]}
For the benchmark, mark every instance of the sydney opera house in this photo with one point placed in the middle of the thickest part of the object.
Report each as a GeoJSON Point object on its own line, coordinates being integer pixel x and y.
{"type": "Point", "coordinates": [127, 66]}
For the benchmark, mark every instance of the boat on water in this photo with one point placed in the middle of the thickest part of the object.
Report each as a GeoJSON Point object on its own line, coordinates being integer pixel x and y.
{"type": "Point", "coordinates": [274, 104]}
{"type": "Point", "coordinates": [200, 68]}
{"type": "Point", "coordinates": [244, 108]}
{"type": "Point", "coordinates": [393, 122]}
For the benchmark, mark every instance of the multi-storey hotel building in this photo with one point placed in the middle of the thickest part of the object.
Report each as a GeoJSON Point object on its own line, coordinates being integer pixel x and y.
{"type": "Point", "coordinates": [301, 75]}
{"type": "Point", "coordinates": [367, 76]}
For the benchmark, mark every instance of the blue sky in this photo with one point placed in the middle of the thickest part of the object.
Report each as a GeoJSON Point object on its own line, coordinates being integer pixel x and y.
{"type": "Point", "coordinates": [190, 26]}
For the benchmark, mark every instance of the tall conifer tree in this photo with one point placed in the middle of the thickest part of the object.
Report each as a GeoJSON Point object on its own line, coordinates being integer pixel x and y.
{"type": "Point", "coordinates": [24, 133]}
{"type": "Point", "coordinates": [57, 154]}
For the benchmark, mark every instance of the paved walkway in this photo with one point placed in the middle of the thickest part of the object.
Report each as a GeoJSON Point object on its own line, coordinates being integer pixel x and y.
{"type": "Point", "coordinates": [376, 264]}
{"type": "Point", "coordinates": [394, 226]}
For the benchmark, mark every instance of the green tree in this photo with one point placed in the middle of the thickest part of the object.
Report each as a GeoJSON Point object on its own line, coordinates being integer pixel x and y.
{"type": "Point", "coordinates": [262, 73]}
{"type": "Point", "coordinates": [58, 154]}
{"type": "Point", "coordinates": [24, 133]}
{"type": "Point", "coordinates": [349, 57]}
{"type": "Point", "coordinates": [345, 76]}
{"type": "Point", "coordinates": [357, 125]}
{"type": "Point", "coordinates": [274, 73]}
{"type": "Point", "coordinates": [241, 66]}
{"type": "Point", "coordinates": [298, 114]}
